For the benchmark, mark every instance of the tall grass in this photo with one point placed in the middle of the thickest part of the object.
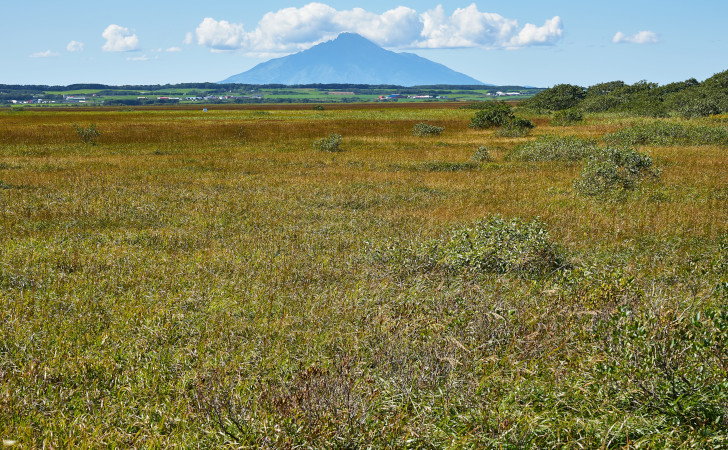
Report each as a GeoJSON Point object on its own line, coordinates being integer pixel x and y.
{"type": "Point", "coordinates": [176, 285]}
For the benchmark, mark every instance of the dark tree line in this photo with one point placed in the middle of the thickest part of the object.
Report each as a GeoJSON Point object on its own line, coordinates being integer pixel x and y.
{"type": "Point", "coordinates": [688, 98]}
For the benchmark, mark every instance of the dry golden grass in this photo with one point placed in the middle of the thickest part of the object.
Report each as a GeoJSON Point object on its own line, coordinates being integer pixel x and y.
{"type": "Point", "coordinates": [190, 262]}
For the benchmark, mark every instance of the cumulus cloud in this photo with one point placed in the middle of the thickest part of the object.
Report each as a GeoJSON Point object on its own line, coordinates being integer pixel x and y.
{"type": "Point", "coordinates": [45, 54]}
{"type": "Point", "coordinates": [642, 37]}
{"type": "Point", "coordinates": [74, 46]}
{"type": "Point", "coordinates": [293, 29]}
{"type": "Point", "coordinates": [119, 39]}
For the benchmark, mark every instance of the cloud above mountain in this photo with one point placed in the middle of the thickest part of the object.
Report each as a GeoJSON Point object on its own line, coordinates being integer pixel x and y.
{"type": "Point", "coordinates": [293, 29]}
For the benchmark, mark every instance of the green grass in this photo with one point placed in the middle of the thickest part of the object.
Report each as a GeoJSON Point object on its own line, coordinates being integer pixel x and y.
{"type": "Point", "coordinates": [196, 270]}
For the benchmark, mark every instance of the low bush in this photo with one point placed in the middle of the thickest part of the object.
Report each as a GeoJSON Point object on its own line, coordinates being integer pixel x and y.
{"type": "Point", "coordinates": [328, 144]}
{"type": "Point", "coordinates": [423, 129]}
{"type": "Point", "coordinates": [318, 107]}
{"type": "Point", "coordinates": [482, 154]}
{"type": "Point", "coordinates": [88, 134]}
{"type": "Point", "coordinates": [615, 169]}
{"type": "Point", "coordinates": [516, 128]}
{"type": "Point", "coordinates": [670, 365]}
{"type": "Point", "coordinates": [492, 115]}
{"type": "Point", "coordinates": [668, 134]}
{"type": "Point", "coordinates": [567, 117]}
{"type": "Point", "coordinates": [554, 148]}
{"type": "Point", "coordinates": [496, 245]}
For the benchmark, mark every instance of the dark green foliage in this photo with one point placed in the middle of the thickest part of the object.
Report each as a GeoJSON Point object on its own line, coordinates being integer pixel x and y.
{"type": "Point", "coordinates": [567, 117]}
{"type": "Point", "coordinates": [482, 154]}
{"type": "Point", "coordinates": [328, 144]}
{"type": "Point", "coordinates": [561, 96]}
{"type": "Point", "coordinates": [88, 134]}
{"type": "Point", "coordinates": [687, 98]}
{"type": "Point", "coordinates": [318, 107]}
{"type": "Point", "coordinates": [664, 133]}
{"type": "Point", "coordinates": [554, 148]}
{"type": "Point", "coordinates": [423, 129]}
{"type": "Point", "coordinates": [615, 169]}
{"type": "Point", "coordinates": [516, 128]}
{"type": "Point", "coordinates": [672, 366]}
{"type": "Point", "coordinates": [492, 115]}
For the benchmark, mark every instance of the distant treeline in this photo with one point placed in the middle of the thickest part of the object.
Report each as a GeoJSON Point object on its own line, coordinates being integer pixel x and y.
{"type": "Point", "coordinates": [688, 98]}
{"type": "Point", "coordinates": [216, 87]}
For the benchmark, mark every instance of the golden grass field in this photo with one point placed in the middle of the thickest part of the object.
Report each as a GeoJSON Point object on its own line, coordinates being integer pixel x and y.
{"type": "Point", "coordinates": [211, 279]}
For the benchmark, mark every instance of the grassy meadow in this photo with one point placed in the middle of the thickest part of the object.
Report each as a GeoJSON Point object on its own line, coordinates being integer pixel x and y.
{"type": "Point", "coordinates": [212, 280]}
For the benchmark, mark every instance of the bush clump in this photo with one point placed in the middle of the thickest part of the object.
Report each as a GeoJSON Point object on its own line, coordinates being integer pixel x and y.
{"type": "Point", "coordinates": [328, 144]}
{"type": "Point", "coordinates": [482, 154]}
{"type": "Point", "coordinates": [516, 128]}
{"type": "Point", "coordinates": [318, 107]}
{"type": "Point", "coordinates": [554, 148]}
{"type": "Point", "coordinates": [423, 129]}
{"type": "Point", "coordinates": [567, 117]}
{"type": "Point", "coordinates": [671, 365]}
{"type": "Point", "coordinates": [88, 134]}
{"type": "Point", "coordinates": [499, 246]}
{"type": "Point", "coordinates": [492, 115]}
{"type": "Point", "coordinates": [615, 169]}
{"type": "Point", "coordinates": [668, 134]}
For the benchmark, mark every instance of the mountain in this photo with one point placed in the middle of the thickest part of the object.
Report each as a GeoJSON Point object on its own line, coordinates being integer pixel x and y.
{"type": "Point", "coordinates": [351, 59]}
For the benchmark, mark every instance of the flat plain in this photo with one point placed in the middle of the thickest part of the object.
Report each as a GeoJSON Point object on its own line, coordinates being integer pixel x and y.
{"type": "Point", "coordinates": [198, 279]}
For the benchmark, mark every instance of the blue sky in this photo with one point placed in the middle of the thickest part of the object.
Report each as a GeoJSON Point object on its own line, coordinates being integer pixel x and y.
{"type": "Point", "coordinates": [529, 42]}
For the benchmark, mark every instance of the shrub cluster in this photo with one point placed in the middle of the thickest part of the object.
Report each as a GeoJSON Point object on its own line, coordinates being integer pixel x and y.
{"type": "Point", "coordinates": [328, 144]}
{"type": "Point", "coordinates": [492, 115]}
{"type": "Point", "coordinates": [88, 134]}
{"type": "Point", "coordinates": [615, 169]}
{"type": "Point", "coordinates": [567, 117]}
{"type": "Point", "coordinates": [554, 148]}
{"type": "Point", "coordinates": [663, 133]}
{"type": "Point", "coordinates": [482, 154]}
{"type": "Point", "coordinates": [516, 128]}
{"type": "Point", "coordinates": [687, 99]}
{"type": "Point", "coordinates": [671, 366]}
{"type": "Point", "coordinates": [423, 129]}
{"type": "Point", "coordinates": [498, 246]}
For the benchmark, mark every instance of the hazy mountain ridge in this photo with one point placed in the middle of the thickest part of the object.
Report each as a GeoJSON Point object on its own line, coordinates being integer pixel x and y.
{"type": "Point", "coordinates": [352, 59]}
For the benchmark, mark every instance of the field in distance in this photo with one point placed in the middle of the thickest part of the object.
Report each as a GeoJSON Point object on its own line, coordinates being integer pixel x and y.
{"type": "Point", "coordinates": [175, 277]}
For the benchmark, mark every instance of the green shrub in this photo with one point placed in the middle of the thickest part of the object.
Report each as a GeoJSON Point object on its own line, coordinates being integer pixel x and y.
{"type": "Point", "coordinates": [318, 107]}
{"type": "Point", "coordinates": [567, 117]}
{"type": "Point", "coordinates": [561, 96]}
{"type": "Point", "coordinates": [482, 154]}
{"type": "Point", "coordinates": [554, 148]}
{"type": "Point", "coordinates": [516, 128]}
{"type": "Point", "coordinates": [493, 115]}
{"type": "Point", "coordinates": [672, 366]}
{"type": "Point", "coordinates": [615, 169]}
{"type": "Point", "coordinates": [328, 144]}
{"type": "Point", "coordinates": [499, 246]}
{"type": "Point", "coordinates": [423, 129]}
{"type": "Point", "coordinates": [663, 133]}
{"type": "Point", "coordinates": [88, 134]}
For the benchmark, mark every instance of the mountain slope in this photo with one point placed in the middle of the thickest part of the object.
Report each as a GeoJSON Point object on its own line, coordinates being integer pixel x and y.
{"type": "Point", "coordinates": [351, 59]}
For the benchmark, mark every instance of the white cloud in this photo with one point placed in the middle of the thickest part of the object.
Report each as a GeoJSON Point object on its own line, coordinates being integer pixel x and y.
{"type": "Point", "coordinates": [173, 49]}
{"type": "Point", "coordinates": [140, 58]}
{"type": "Point", "coordinates": [74, 46]}
{"type": "Point", "coordinates": [642, 37]}
{"type": "Point", "coordinates": [189, 38]}
{"type": "Point", "coordinates": [119, 39]}
{"type": "Point", "coordinates": [45, 54]}
{"type": "Point", "coordinates": [293, 29]}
